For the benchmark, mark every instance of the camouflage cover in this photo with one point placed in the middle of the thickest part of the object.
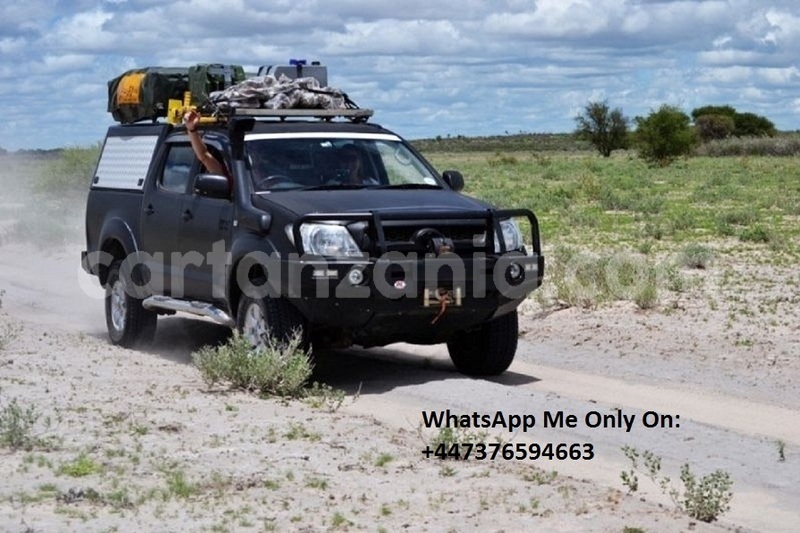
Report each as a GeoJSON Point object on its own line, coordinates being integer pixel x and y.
{"type": "Point", "coordinates": [269, 92]}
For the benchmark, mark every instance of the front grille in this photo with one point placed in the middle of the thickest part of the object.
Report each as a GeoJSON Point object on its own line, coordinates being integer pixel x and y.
{"type": "Point", "coordinates": [467, 238]}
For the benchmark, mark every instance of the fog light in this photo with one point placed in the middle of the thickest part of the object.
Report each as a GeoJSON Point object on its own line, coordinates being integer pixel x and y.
{"type": "Point", "coordinates": [355, 277]}
{"type": "Point", "coordinates": [515, 272]}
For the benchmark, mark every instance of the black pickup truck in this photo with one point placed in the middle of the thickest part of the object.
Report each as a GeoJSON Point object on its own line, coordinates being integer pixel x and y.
{"type": "Point", "coordinates": [292, 242]}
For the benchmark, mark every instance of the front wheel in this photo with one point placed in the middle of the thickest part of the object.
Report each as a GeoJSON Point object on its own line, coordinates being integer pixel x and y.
{"type": "Point", "coordinates": [129, 323]}
{"type": "Point", "coordinates": [487, 350]}
{"type": "Point", "coordinates": [260, 320]}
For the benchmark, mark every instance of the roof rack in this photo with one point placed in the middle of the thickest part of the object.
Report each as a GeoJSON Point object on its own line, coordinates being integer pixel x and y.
{"type": "Point", "coordinates": [354, 115]}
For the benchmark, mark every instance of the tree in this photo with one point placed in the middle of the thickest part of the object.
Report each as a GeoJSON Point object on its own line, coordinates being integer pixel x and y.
{"type": "Point", "coordinates": [745, 124]}
{"type": "Point", "coordinates": [606, 129]}
{"type": "Point", "coordinates": [714, 127]}
{"type": "Point", "coordinates": [752, 125]}
{"type": "Point", "coordinates": [722, 110]}
{"type": "Point", "coordinates": [664, 135]}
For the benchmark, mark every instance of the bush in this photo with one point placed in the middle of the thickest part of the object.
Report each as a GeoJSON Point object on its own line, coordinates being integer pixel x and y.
{"type": "Point", "coordinates": [696, 256]}
{"type": "Point", "coordinates": [757, 234]}
{"type": "Point", "coordinates": [703, 500]}
{"type": "Point", "coordinates": [278, 370]}
{"type": "Point", "coordinates": [707, 498]}
{"type": "Point", "coordinates": [585, 280]}
{"type": "Point", "coordinates": [664, 135]}
{"type": "Point", "coordinates": [16, 426]}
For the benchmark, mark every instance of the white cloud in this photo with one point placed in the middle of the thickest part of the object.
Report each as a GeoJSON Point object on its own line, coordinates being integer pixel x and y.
{"type": "Point", "coordinates": [12, 46]}
{"type": "Point", "coordinates": [417, 37]}
{"type": "Point", "coordinates": [428, 68]}
{"type": "Point", "coordinates": [82, 32]}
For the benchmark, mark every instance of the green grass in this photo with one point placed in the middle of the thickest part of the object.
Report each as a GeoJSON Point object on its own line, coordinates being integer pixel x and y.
{"type": "Point", "coordinates": [621, 203]}
{"type": "Point", "coordinates": [81, 466]}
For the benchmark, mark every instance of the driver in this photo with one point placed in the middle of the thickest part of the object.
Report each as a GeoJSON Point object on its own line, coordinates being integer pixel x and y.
{"type": "Point", "coordinates": [269, 167]}
{"type": "Point", "coordinates": [352, 161]}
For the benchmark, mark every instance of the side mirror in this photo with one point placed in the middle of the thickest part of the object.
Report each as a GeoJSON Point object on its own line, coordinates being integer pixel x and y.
{"type": "Point", "coordinates": [212, 186]}
{"type": "Point", "coordinates": [453, 179]}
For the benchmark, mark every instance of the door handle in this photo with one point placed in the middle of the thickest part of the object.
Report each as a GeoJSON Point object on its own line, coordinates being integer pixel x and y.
{"type": "Point", "coordinates": [149, 209]}
{"type": "Point", "coordinates": [187, 215]}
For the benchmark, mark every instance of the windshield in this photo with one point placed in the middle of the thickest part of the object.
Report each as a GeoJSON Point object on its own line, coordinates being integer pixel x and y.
{"type": "Point", "coordinates": [311, 161]}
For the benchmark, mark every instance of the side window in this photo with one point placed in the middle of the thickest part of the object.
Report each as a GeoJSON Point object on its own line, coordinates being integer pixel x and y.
{"type": "Point", "coordinates": [177, 168]}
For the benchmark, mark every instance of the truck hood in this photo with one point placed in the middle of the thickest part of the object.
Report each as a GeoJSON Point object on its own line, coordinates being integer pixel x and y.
{"type": "Point", "coordinates": [366, 200]}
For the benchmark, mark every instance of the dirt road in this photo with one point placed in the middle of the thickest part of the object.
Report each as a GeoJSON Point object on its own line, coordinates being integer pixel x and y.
{"type": "Point", "coordinates": [138, 442]}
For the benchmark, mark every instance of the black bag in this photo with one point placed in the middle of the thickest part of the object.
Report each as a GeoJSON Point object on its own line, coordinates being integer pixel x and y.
{"type": "Point", "coordinates": [207, 78]}
{"type": "Point", "coordinates": [142, 94]}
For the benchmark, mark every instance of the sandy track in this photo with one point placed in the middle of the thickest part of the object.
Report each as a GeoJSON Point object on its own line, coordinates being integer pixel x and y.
{"type": "Point", "coordinates": [64, 362]}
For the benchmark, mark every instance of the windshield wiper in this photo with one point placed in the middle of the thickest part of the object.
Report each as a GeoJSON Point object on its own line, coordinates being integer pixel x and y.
{"type": "Point", "coordinates": [409, 186]}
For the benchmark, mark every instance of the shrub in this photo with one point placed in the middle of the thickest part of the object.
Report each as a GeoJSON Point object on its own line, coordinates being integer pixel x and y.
{"type": "Point", "coordinates": [279, 369]}
{"type": "Point", "coordinates": [16, 426]}
{"type": "Point", "coordinates": [703, 500]}
{"type": "Point", "coordinates": [664, 135]}
{"type": "Point", "coordinates": [8, 333]}
{"type": "Point", "coordinates": [696, 256]}
{"type": "Point", "coordinates": [756, 233]}
{"type": "Point", "coordinates": [586, 280]}
{"type": "Point", "coordinates": [707, 498]}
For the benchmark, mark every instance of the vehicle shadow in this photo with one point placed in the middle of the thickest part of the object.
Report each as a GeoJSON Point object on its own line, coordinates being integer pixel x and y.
{"type": "Point", "coordinates": [354, 370]}
{"type": "Point", "coordinates": [379, 370]}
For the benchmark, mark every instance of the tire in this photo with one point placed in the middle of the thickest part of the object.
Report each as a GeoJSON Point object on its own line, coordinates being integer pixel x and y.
{"type": "Point", "coordinates": [264, 318]}
{"type": "Point", "coordinates": [129, 324]}
{"type": "Point", "coordinates": [487, 350]}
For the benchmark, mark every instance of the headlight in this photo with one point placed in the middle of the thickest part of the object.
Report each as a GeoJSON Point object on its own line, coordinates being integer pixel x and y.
{"type": "Point", "coordinates": [327, 239]}
{"type": "Point", "coordinates": [511, 236]}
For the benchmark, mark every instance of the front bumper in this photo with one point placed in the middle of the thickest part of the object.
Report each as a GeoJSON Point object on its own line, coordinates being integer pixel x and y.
{"type": "Point", "coordinates": [422, 301]}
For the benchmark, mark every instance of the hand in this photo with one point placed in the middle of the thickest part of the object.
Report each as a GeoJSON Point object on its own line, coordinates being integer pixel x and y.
{"type": "Point", "coordinates": [191, 120]}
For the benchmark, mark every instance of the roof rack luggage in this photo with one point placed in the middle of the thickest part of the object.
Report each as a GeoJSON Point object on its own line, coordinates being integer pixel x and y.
{"type": "Point", "coordinates": [296, 91]}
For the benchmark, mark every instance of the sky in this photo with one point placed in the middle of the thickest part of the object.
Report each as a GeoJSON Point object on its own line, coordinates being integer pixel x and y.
{"type": "Point", "coordinates": [427, 67]}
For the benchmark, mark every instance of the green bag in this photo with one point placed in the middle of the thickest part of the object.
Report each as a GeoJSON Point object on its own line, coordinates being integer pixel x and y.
{"type": "Point", "coordinates": [207, 78]}
{"type": "Point", "coordinates": [144, 94]}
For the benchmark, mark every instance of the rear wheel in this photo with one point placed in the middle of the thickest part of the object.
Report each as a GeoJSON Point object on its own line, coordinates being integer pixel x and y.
{"type": "Point", "coordinates": [129, 324]}
{"type": "Point", "coordinates": [487, 350]}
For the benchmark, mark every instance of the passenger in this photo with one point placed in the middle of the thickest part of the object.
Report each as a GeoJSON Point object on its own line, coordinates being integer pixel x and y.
{"type": "Point", "coordinates": [213, 165]}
